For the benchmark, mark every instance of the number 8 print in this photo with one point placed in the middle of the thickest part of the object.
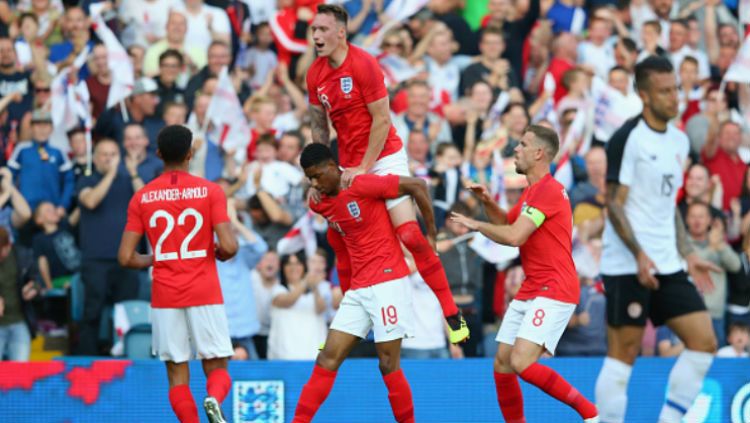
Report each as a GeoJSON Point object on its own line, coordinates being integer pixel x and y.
{"type": "Point", "coordinates": [538, 317]}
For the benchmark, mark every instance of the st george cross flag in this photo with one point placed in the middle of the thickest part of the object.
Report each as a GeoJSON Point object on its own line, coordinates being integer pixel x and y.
{"type": "Point", "coordinates": [300, 237]}
{"type": "Point", "coordinates": [739, 71]}
{"type": "Point", "coordinates": [232, 131]}
{"type": "Point", "coordinates": [117, 58]}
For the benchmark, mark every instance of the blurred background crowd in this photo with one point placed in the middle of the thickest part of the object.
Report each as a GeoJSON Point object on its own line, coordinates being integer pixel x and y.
{"type": "Point", "coordinates": [86, 85]}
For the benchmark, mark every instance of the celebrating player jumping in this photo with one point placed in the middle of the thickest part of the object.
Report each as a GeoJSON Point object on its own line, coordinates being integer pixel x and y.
{"type": "Point", "coordinates": [345, 83]}
{"type": "Point", "coordinates": [541, 225]}
{"type": "Point", "coordinates": [179, 213]}
{"type": "Point", "coordinates": [379, 294]}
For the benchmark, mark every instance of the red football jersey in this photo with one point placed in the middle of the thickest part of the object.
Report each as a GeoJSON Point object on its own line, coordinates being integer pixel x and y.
{"type": "Point", "coordinates": [360, 216]}
{"type": "Point", "coordinates": [345, 93]}
{"type": "Point", "coordinates": [178, 212]}
{"type": "Point", "coordinates": [546, 256]}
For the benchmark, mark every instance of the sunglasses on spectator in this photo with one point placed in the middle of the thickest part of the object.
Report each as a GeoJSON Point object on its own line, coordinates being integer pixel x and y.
{"type": "Point", "coordinates": [389, 45]}
{"type": "Point", "coordinates": [42, 89]}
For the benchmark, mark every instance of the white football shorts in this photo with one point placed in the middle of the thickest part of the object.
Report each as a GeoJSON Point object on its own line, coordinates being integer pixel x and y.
{"type": "Point", "coordinates": [541, 321]}
{"type": "Point", "coordinates": [394, 164]}
{"type": "Point", "coordinates": [181, 334]}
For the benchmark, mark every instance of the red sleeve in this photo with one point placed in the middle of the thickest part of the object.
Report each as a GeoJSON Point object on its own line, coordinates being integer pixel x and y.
{"type": "Point", "coordinates": [312, 85]}
{"type": "Point", "coordinates": [218, 205]}
{"type": "Point", "coordinates": [134, 223]}
{"type": "Point", "coordinates": [375, 186]}
{"type": "Point", "coordinates": [546, 198]}
{"type": "Point", "coordinates": [369, 77]}
{"type": "Point", "coordinates": [343, 261]}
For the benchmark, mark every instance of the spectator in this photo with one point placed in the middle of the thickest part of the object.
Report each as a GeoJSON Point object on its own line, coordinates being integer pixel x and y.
{"type": "Point", "coordinates": [104, 197]}
{"type": "Point", "coordinates": [28, 26]}
{"type": "Point", "coordinates": [290, 146]}
{"type": "Point", "coordinates": [464, 274]}
{"type": "Point", "coordinates": [418, 116]}
{"type": "Point", "coordinates": [137, 55]}
{"type": "Point", "coordinates": [76, 38]}
{"type": "Point", "coordinates": [691, 92]}
{"type": "Point", "coordinates": [626, 56]}
{"type": "Point", "coordinates": [145, 20]}
{"type": "Point", "coordinates": [443, 68]}
{"type": "Point", "coordinates": [171, 63]}
{"type": "Point", "coordinates": [14, 210]}
{"type": "Point", "coordinates": [55, 250]}
{"type": "Point", "coordinates": [667, 343]}
{"type": "Point", "coordinates": [721, 156]}
{"type": "Point", "coordinates": [259, 59]}
{"type": "Point", "coordinates": [597, 52]}
{"type": "Point", "coordinates": [18, 286]}
{"type": "Point", "coordinates": [174, 114]}
{"type": "Point", "coordinates": [264, 278]}
{"type": "Point", "coordinates": [564, 56]}
{"type": "Point", "coordinates": [205, 24]}
{"type": "Point", "coordinates": [48, 17]}
{"type": "Point", "coordinates": [709, 239]}
{"type": "Point", "coordinates": [78, 155]}
{"type": "Point", "coordinates": [446, 183]}
{"type": "Point", "coordinates": [219, 56]}
{"type": "Point", "coordinates": [276, 177]}
{"type": "Point", "coordinates": [490, 67]}
{"type": "Point", "coordinates": [679, 49]}
{"type": "Point", "coordinates": [515, 119]}
{"type": "Point", "coordinates": [705, 124]}
{"type": "Point", "coordinates": [42, 172]}
{"type": "Point", "coordinates": [262, 112]}
{"type": "Point", "coordinates": [651, 40]}
{"type": "Point", "coordinates": [99, 81]}
{"type": "Point", "coordinates": [237, 289]}
{"type": "Point", "coordinates": [298, 307]}
{"type": "Point", "coordinates": [738, 339]}
{"type": "Point", "coordinates": [587, 197]}
{"type": "Point", "coordinates": [698, 190]}
{"type": "Point", "coordinates": [418, 152]}
{"type": "Point", "coordinates": [140, 108]}
{"type": "Point", "coordinates": [586, 334]}
{"type": "Point", "coordinates": [142, 166]}
{"type": "Point", "coordinates": [14, 81]}
{"type": "Point", "coordinates": [194, 56]}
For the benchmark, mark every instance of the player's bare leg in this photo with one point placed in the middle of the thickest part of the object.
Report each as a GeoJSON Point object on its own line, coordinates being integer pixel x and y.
{"type": "Point", "coordinates": [180, 396]}
{"type": "Point", "coordinates": [524, 359]}
{"type": "Point", "coordinates": [399, 392]}
{"type": "Point", "coordinates": [404, 219]}
{"type": "Point", "coordinates": [218, 383]}
{"type": "Point", "coordinates": [337, 347]}
{"type": "Point", "coordinates": [623, 346]}
{"type": "Point", "coordinates": [507, 388]}
{"type": "Point", "coordinates": [686, 378]}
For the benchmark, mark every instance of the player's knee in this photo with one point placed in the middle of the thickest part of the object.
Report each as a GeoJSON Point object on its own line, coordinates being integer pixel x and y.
{"type": "Point", "coordinates": [388, 363]}
{"type": "Point", "coordinates": [412, 238]}
{"type": "Point", "coordinates": [329, 360]}
{"type": "Point", "coordinates": [502, 364]}
{"type": "Point", "coordinates": [519, 361]}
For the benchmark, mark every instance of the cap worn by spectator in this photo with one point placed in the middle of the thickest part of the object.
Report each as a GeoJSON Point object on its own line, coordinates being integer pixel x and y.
{"type": "Point", "coordinates": [41, 116]}
{"type": "Point", "coordinates": [144, 86]}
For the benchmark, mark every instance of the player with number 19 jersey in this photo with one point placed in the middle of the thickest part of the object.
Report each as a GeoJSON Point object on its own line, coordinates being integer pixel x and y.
{"type": "Point", "coordinates": [178, 211]}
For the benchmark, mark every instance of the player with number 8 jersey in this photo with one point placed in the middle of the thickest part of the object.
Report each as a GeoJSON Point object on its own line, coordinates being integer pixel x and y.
{"type": "Point", "coordinates": [179, 214]}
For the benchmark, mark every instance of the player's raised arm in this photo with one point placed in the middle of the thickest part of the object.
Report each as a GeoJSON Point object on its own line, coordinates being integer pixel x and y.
{"type": "Point", "coordinates": [417, 189]}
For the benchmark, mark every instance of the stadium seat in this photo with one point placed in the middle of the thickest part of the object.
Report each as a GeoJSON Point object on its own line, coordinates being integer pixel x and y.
{"type": "Point", "coordinates": [137, 340]}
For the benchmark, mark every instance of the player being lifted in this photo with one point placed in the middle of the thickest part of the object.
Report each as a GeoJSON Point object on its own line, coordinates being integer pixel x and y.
{"type": "Point", "coordinates": [379, 295]}
{"type": "Point", "coordinates": [346, 84]}
{"type": "Point", "coordinates": [179, 213]}
{"type": "Point", "coordinates": [541, 225]}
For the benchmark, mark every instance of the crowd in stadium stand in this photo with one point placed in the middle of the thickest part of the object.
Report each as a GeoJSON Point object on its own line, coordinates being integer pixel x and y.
{"type": "Point", "coordinates": [465, 77]}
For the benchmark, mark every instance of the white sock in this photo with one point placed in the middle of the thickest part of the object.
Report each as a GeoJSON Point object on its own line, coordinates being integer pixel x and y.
{"type": "Point", "coordinates": [612, 390]}
{"type": "Point", "coordinates": [592, 420]}
{"type": "Point", "coordinates": [685, 383]}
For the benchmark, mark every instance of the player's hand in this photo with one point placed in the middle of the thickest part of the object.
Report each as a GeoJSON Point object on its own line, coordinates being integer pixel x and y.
{"type": "Point", "coordinates": [584, 319]}
{"type": "Point", "coordinates": [314, 195]}
{"type": "Point", "coordinates": [466, 221]}
{"type": "Point", "coordinates": [457, 353]}
{"type": "Point", "coordinates": [348, 176]}
{"type": "Point", "coordinates": [481, 191]}
{"type": "Point", "coordinates": [646, 271]}
{"type": "Point", "coordinates": [699, 269]}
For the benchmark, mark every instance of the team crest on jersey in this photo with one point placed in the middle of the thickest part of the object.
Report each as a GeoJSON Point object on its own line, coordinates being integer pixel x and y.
{"type": "Point", "coordinates": [347, 84]}
{"type": "Point", "coordinates": [353, 209]}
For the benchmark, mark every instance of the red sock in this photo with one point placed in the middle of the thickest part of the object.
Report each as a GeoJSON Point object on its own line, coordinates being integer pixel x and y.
{"type": "Point", "coordinates": [428, 265]}
{"type": "Point", "coordinates": [554, 385]}
{"type": "Point", "coordinates": [509, 397]}
{"type": "Point", "coordinates": [218, 384]}
{"type": "Point", "coordinates": [342, 258]}
{"type": "Point", "coordinates": [183, 404]}
{"type": "Point", "coordinates": [399, 394]}
{"type": "Point", "coordinates": [313, 394]}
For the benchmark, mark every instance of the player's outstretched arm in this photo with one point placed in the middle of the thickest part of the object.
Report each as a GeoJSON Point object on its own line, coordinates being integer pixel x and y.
{"type": "Point", "coordinates": [227, 246]}
{"type": "Point", "coordinates": [128, 257]}
{"type": "Point", "coordinates": [514, 235]}
{"type": "Point", "coordinates": [494, 213]}
{"type": "Point", "coordinates": [417, 189]}
{"type": "Point", "coordinates": [319, 125]}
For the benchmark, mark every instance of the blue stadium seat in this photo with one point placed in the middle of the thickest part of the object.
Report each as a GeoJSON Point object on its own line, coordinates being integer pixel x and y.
{"type": "Point", "coordinates": [137, 341]}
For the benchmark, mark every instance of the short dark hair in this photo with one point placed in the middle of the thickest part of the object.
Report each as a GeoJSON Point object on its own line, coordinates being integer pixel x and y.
{"type": "Point", "coordinates": [172, 53]}
{"type": "Point", "coordinates": [690, 59]}
{"type": "Point", "coordinates": [28, 15]}
{"type": "Point", "coordinates": [296, 134]}
{"type": "Point", "coordinates": [338, 12]}
{"type": "Point", "coordinates": [650, 65]}
{"type": "Point", "coordinates": [75, 131]}
{"type": "Point", "coordinates": [492, 30]}
{"type": "Point", "coordinates": [739, 326]}
{"type": "Point", "coordinates": [547, 137]}
{"type": "Point", "coordinates": [301, 256]}
{"type": "Point", "coordinates": [174, 143]}
{"type": "Point", "coordinates": [629, 44]}
{"type": "Point", "coordinates": [444, 146]}
{"type": "Point", "coordinates": [461, 208]}
{"type": "Point", "coordinates": [654, 24]}
{"type": "Point", "coordinates": [315, 154]}
{"type": "Point", "coordinates": [266, 139]}
{"type": "Point", "coordinates": [617, 68]}
{"type": "Point", "coordinates": [698, 204]}
{"type": "Point", "coordinates": [682, 22]}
